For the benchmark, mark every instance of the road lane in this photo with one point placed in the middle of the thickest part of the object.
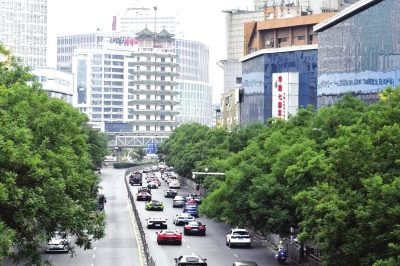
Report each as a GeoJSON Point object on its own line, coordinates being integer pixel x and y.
{"type": "Point", "coordinates": [212, 246]}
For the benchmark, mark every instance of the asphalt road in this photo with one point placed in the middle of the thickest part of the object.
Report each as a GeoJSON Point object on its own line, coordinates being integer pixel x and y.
{"type": "Point", "coordinates": [120, 246]}
{"type": "Point", "coordinates": [212, 246]}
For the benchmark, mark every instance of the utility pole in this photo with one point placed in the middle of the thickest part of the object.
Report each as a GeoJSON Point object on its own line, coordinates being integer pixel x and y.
{"type": "Point", "coordinates": [155, 24]}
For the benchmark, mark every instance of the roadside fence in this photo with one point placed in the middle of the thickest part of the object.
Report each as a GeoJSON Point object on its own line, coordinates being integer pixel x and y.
{"type": "Point", "coordinates": [149, 259]}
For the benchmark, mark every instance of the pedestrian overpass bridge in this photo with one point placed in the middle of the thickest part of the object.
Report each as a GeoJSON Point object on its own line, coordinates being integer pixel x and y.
{"type": "Point", "coordinates": [136, 140]}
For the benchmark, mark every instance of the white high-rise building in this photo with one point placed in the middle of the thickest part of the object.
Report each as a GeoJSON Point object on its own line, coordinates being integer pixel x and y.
{"type": "Point", "coordinates": [128, 85]}
{"type": "Point", "coordinates": [23, 29]}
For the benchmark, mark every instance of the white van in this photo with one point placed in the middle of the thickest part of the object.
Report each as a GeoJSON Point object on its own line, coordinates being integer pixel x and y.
{"type": "Point", "coordinates": [154, 168]}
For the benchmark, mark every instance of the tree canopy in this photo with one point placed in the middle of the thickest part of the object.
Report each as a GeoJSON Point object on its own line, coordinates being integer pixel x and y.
{"type": "Point", "coordinates": [333, 173]}
{"type": "Point", "coordinates": [46, 179]}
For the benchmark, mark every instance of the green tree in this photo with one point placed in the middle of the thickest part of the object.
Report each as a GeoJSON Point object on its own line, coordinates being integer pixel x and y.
{"type": "Point", "coordinates": [46, 178]}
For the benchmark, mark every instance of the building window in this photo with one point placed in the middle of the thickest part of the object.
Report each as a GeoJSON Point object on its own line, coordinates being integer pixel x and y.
{"type": "Point", "coordinates": [138, 77]}
{"type": "Point", "coordinates": [162, 117]}
{"type": "Point", "coordinates": [147, 128]}
{"type": "Point", "coordinates": [148, 97]}
{"type": "Point", "coordinates": [163, 88]}
{"type": "Point", "coordinates": [137, 117]}
{"type": "Point", "coordinates": [172, 78]}
{"type": "Point", "coordinates": [281, 40]}
{"type": "Point", "coordinates": [137, 128]}
{"type": "Point", "coordinates": [238, 80]}
{"type": "Point", "coordinates": [162, 128]}
{"type": "Point", "coordinates": [172, 107]}
{"type": "Point", "coordinates": [107, 56]}
{"type": "Point", "coordinates": [162, 77]}
{"type": "Point", "coordinates": [172, 60]}
{"type": "Point", "coordinates": [172, 98]}
{"type": "Point", "coordinates": [97, 56]}
{"type": "Point", "coordinates": [148, 77]}
{"type": "Point", "coordinates": [162, 68]}
{"type": "Point", "coordinates": [163, 59]}
{"type": "Point", "coordinates": [162, 107]}
{"type": "Point", "coordinates": [137, 97]}
{"type": "Point", "coordinates": [172, 128]}
{"type": "Point", "coordinates": [148, 59]}
{"type": "Point", "coordinates": [130, 116]}
{"type": "Point", "coordinates": [138, 87]}
{"type": "Point", "coordinates": [301, 38]}
{"type": "Point", "coordinates": [138, 68]}
{"type": "Point", "coordinates": [148, 68]}
{"type": "Point", "coordinates": [172, 88]}
{"type": "Point", "coordinates": [147, 117]}
{"type": "Point", "coordinates": [137, 107]}
{"type": "Point", "coordinates": [148, 87]}
{"type": "Point", "coordinates": [147, 107]}
{"type": "Point", "coordinates": [162, 97]}
{"type": "Point", "coordinates": [114, 56]}
{"type": "Point", "coordinates": [138, 58]}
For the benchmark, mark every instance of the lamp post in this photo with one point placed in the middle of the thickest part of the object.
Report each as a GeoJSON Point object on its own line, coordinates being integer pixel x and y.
{"type": "Point", "coordinates": [205, 170]}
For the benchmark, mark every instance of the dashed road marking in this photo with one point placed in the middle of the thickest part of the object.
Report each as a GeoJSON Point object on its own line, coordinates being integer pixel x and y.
{"type": "Point", "coordinates": [235, 255]}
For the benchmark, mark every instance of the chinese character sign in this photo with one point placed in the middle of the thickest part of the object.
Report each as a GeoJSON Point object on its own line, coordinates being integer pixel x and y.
{"type": "Point", "coordinates": [151, 148]}
{"type": "Point", "coordinates": [279, 95]}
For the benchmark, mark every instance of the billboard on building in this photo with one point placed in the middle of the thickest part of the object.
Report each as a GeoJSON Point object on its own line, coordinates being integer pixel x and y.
{"type": "Point", "coordinates": [285, 94]}
{"type": "Point", "coordinates": [55, 80]}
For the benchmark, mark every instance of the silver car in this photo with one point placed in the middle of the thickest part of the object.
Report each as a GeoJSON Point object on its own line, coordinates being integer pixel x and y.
{"type": "Point", "coordinates": [57, 243]}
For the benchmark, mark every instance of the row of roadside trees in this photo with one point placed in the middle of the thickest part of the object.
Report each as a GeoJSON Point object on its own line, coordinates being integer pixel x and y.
{"type": "Point", "coordinates": [333, 173]}
{"type": "Point", "coordinates": [47, 154]}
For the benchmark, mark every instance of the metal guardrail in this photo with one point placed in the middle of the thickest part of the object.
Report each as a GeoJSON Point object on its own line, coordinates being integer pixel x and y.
{"type": "Point", "coordinates": [149, 259]}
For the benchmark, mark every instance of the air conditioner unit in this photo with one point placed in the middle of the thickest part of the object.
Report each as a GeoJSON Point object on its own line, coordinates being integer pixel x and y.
{"type": "Point", "coordinates": [268, 43]}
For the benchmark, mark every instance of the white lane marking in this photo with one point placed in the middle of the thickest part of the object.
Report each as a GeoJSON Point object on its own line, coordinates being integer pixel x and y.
{"type": "Point", "coordinates": [94, 256]}
{"type": "Point", "coordinates": [235, 255]}
{"type": "Point", "coordinates": [188, 246]}
{"type": "Point", "coordinates": [184, 240]}
{"type": "Point", "coordinates": [94, 249]}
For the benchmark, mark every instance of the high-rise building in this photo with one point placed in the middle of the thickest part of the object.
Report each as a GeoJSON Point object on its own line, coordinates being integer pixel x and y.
{"type": "Point", "coordinates": [134, 19]}
{"type": "Point", "coordinates": [23, 29]}
{"type": "Point", "coordinates": [307, 6]}
{"type": "Point", "coordinates": [129, 84]}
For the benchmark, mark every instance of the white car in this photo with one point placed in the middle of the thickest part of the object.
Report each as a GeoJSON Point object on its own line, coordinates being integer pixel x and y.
{"type": "Point", "coordinates": [174, 184]}
{"type": "Point", "coordinates": [152, 184]}
{"type": "Point", "coordinates": [157, 223]}
{"type": "Point", "coordinates": [238, 237]}
{"type": "Point", "coordinates": [183, 218]}
{"type": "Point", "coordinates": [57, 243]}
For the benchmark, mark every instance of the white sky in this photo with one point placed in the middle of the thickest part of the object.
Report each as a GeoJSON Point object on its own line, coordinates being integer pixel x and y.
{"type": "Point", "coordinates": [200, 21]}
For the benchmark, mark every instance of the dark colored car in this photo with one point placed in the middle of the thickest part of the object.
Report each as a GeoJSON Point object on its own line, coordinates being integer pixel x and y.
{"type": "Point", "coordinates": [178, 202]}
{"type": "Point", "coordinates": [170, 193]}
{"type": "Point", "coordinates": [169, 237]}
{"type": "Point", "coordinates": [195, 228]}
{"type": "Point", "coordinates": [190, 260]}
{"type": "Point", "coordinates": [135, 179]}
{"type": "Point", "coordinates": [191, 208]}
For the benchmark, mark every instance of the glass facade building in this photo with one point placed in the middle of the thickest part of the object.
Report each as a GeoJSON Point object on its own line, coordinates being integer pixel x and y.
{"type": "Point", "coordinates": [359, 51]}
{"type": "Point", "coordinates": [257, 80]}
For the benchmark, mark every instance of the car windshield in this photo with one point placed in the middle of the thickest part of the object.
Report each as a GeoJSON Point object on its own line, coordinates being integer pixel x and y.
{"type": "Point", "coordinates": [241, 233]}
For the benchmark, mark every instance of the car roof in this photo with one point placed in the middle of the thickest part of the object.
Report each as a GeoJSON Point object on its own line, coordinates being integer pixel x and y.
{"type": "Point", "coordinates": [183, 214]}
{"type": "Point", "coordinates": [191, 258]}
{"type": "Point", "coordinates": [178, 198]}
{"type": "Point", "coordinates": [245, 263]}
{"type": "Point", "coordinates": [156, 218]}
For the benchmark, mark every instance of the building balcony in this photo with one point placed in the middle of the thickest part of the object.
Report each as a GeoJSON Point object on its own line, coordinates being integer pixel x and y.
{"type": "Point", "coordinates": [154, 73]}
{"type": "Point", "coordinates": [154, 55]}
{"type": "Point", "coordinates": [154, 112]}
{"type": "Point", "coordinates": [153, 82]}
{"type": "Point", "coordinates": [153, 102]}
{"type": "Point", "coordinates": [154, 123]}
{"type": "Point", "coordinates": [153, 92]}
{"type": "Point", "coordinates": [153, 63]}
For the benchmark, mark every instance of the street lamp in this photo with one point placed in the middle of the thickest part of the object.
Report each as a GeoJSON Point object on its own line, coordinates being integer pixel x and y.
{"type": "Point", "coordinates": [206, 170]}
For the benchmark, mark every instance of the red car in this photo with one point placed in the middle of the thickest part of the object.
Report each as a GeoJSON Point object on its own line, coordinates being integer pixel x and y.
{"type": "Point", "coordinates": [169, 237]}
{"type": "Point", "coordinates": [195, 228]}
{"type": "Point", "coordinates": [143, 195]}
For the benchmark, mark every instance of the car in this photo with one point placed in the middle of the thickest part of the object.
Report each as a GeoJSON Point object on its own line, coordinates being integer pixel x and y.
{"type": "Point", "coordinates": [170, 193]}
{"type": "Point", "coordinates": [157, 223]}
{"type": "Point", "coordinates": [191, 208]}
{"type": "Point", "coordinates": [174, 184]}
{"type": "Point", "coordinates": [245, 263]}
{"type": "Point", "coordinates": [152, 184]}
{"type": "Point", "coordinates": [154, 205]}
{"type": "Point", "coordinates": [143, 195]}
{"type": "Point", "coordinates": [188, 260]}
{"type": "Point", "coordinates": [144, 189]}
{"type": "Point", "coordinates": [135, 179]}
{"type": "Point", "coordinates": [59, 242]}
{"type": "Point", "coordinates": [195, 228]}
{"type": "Point", "coordinates": [178, 202]}
{"type": "Point", "coordinates": [154, 168]}
{"type": "Point", "coordinates": [169, 237]}
{"type": "Point", "coordinates": [146, 170]}
{"type": "Point", "coordinates": [193, 198]}
{"type": "Point", "coordinates": [182, 218]}
{"type": "Point", "coordinates": [238, 237]}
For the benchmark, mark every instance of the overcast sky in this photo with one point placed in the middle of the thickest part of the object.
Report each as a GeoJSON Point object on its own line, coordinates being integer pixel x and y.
{"type": "Point", "coordinates": [200, 21]}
